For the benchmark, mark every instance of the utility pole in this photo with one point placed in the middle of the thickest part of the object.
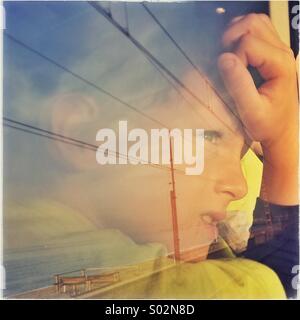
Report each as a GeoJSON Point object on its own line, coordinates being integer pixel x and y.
{"type": "Point", "coordinates": [174, 208]}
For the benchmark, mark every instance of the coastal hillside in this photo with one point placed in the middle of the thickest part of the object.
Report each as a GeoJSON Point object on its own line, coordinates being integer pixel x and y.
{"type": "Point", "coordinates": [46, 238]}
{"type": "Point", "coordinates": [38, 222]}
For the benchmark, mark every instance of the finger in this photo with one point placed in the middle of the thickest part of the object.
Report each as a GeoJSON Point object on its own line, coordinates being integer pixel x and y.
{"type": "Point", "coordinates": [240, 85]}
{"type": "Point", "coordinates": [269, 60]}
{"type": "Point", "coordinates": [251, 24]}
{"type": "Point", "coordinates": [264, 17]}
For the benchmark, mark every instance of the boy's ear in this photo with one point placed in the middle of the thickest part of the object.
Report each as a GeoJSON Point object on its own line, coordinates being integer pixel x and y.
{"type": "Point", "coordinates": [71, 116]}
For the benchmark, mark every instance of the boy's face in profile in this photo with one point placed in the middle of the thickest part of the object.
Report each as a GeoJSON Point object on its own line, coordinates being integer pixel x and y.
{"type": "Point", "coordinates": [202, 200]}
{"type": "Point", "coordinates": [143, 208]}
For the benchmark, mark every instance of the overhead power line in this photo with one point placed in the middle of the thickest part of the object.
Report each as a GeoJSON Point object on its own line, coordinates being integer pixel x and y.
{"type": "Point", "coordinates": [90, 83]}
{"type": "Point", "coordinates": [27, 128]}
{"type": "Point", "coordinates": [51, 135]}
{"type": "Point", "coordinates": [81, 78]}
{"type": "Point", "coordinates": [93, 85]}
{"type": "Point", "coordinates": [47, 136]}
{"type": "Point", "coordinates": [182, 51]}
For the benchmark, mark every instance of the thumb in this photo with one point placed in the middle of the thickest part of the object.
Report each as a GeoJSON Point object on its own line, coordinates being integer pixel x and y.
{"type": "Point", "coordinates": [240, 85]}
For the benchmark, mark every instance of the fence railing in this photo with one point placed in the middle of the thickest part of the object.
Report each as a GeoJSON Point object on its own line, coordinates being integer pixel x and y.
{"type": "Point", "coordinates": [68, 282]}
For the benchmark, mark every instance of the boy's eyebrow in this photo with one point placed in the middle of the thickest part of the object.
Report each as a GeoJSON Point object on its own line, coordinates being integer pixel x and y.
{"type": "Point", "coordinates": [236, 129]}
{"type": "Point", "coordinates": [220, 133]}
{"type": "Point", "coordinates": [235, 121]}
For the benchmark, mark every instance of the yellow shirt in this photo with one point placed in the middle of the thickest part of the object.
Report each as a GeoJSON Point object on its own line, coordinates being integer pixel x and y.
{"type": "Point", "coordinates": [210, 279]}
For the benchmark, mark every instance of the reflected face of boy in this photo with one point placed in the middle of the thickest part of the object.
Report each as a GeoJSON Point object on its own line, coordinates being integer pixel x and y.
{"type": "Point", "coordinates": [201, 200]}
{"type": "Point", "coordinates": [136, 199]}
{"type": "Point", "coordinates": [204, 199]}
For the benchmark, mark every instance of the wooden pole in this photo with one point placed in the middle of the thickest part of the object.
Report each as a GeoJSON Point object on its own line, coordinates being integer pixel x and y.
{"type": "Point", "coordinates": [174, 208]}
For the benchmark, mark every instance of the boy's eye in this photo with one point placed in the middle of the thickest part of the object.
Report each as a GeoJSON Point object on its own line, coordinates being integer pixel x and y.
{"type": "Point", "coordinates": [212, 136]}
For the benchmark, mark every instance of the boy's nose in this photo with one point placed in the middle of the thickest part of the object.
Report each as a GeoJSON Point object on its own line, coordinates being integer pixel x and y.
{"type": "Point", "coordinates": [231, 182]}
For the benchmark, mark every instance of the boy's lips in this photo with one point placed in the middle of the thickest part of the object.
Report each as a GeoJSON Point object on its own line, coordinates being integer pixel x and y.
{"type": "Point", "coordinates": [210, 221]}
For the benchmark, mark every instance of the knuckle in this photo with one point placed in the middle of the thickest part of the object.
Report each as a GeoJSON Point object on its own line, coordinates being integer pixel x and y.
{"type": "Point", "coordinates": [265, 17]}
{"type": "Point", "coordinates": [245, 40]}
{"type": "Point", "coordinates": [252, 20]}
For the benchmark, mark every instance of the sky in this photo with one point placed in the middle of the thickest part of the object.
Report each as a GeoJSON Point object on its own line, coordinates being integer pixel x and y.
{"type": "Point", "coordinates": [38, 93]}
